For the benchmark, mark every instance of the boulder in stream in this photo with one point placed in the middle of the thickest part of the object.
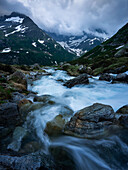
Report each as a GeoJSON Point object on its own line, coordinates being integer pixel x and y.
{"type": "Point", "coordinates": [106, 77]}
{"type": "Point", "coordinates": [122, 116]}
{"type": "Point", "coordinates": [91, 121]}
{"type": "Point", "coordinates": [82, 79]}
{"type": "Point", "coordinates": [45, 99]}
{"type": "Point", "coordinates": [55, 127]}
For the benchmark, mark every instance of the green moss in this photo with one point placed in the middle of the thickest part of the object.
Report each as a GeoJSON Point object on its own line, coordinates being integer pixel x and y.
{"type": "Point", "coordinates": [2, 102]}
{"type": "Point", "coordinates": [5, 93]}
{"type": "Point", "coordinates": [97, 71]}
{"type": "Point", "coordinates": [72, 70]}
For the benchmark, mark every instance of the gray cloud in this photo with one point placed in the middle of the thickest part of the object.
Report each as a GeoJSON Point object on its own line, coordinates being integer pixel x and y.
{"type": "Point", "coordinates": [8, 6]}
{"type": "Point", "coordinates": [72, 16]}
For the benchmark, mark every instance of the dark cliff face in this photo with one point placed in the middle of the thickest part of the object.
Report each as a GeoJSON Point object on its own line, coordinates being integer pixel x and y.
{"type": "Point", "coordinates": [23, 42]}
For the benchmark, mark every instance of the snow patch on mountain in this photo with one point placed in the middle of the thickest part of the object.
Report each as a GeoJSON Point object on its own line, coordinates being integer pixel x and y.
{"type": "Point", "coordinates": [76, 42]}
{"type": "Point", "coordinates": [34, 44]}
{"type": "Point", "coordinates": [15, 19]}
{"type": "Point", "coordinates": [70, 49]}
{"type": "Point", "coordinates": [119, 47]}
{"type": "Point", "coordinates": [6, 50]}
{"type": "Point", "coordinates": [41, 41]}
{"type": "Point", "coordinates": [19, 28]}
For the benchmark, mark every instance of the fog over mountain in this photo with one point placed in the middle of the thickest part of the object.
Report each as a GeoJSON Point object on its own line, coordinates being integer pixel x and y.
{"type": "Point", "coordinates": [71, 16]}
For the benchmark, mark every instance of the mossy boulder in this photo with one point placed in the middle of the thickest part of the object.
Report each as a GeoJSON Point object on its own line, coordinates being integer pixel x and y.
{"type": "Point", "coordinates": [81, 79]}
{"type": "Point", "coordinates": [18, 80]}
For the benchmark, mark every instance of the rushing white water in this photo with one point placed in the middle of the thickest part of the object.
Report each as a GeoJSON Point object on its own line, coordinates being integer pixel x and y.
{"type": "Point", "coordinates": [86, 154]}
{"type": "Point", "coordinates": [81, 96]}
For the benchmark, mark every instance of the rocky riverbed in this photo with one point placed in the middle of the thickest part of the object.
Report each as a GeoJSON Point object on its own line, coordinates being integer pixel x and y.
{"type": "Point", "coordinates": [50, 120]}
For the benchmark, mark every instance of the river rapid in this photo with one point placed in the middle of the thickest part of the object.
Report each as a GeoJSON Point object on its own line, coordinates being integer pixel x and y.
{"type": "Point", "coordinates": [110, 152]}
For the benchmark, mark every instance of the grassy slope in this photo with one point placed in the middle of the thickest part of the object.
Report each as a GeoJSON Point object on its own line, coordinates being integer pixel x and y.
{"type": "Point", "coordinates": [102, 58]}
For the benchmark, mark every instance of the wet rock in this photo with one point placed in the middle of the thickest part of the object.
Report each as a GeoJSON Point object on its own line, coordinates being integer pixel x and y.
{"type": "Point", "coordinates": [31, 95]}
{"type": "Point", "coordinates": [118, 70]}
{"type": "Point", "coordinates": [65, 111]}
{"type": "Point", "coordinates": [90, 121]}
{"type": "Point", "coordinates": [82, 79]}
{"type": "Point", "coordinates": [9, 115]}
{"type": "Point", "coordinates": [123, 121]}
{"type": "Point", "coordinates": [24, 102]}
{"type": "Point", "coordinates": [30, 107]}
{"type": "Point", "coordinates": [45, 99]}
{"type": "Point", "coordinates": [27, 162]}
{"type": "Point", "coordinates": [31, 147]}
{"type": "Point", "coordinates": [63, 158]}
{"type": "Point", "coordinates": [123, 110]}
{"type": "Point", "coordinates": [18, 134]}
{"type": "Point", "coordinates": [106, 77]}
{"type": "Point", "coordinates": [122, 116]}
{"type": "Point", "coordinates": [122, 77]}
{"type": "Point", "coordinates": [9, 119]}
{"type": "Point", "coordinates": [55, 127]}
{"type": "Point", "coordinates": [16, 97]}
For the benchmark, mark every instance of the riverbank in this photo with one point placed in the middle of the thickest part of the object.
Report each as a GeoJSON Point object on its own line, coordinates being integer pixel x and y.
{"type": "Point", "coordinates": [38, 125]}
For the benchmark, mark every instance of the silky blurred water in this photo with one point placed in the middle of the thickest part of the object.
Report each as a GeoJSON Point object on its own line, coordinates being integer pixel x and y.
{"type": "Point", "coordinates": [81, 96]}
{"type": "Point", "coordinates": [110, 152]}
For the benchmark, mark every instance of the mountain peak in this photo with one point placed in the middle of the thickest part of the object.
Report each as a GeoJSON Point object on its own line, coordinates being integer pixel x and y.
{"type": "Point", "coordinates": [23, 42]}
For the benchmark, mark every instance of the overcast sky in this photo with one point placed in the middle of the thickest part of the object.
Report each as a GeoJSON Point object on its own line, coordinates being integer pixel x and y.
{"type": "Point", "coordinates": [71, 16]}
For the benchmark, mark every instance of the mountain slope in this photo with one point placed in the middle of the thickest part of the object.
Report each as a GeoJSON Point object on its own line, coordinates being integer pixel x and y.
{"type": "Point", "coordinates": [23, 42]}
{"type": "Point", "coordinates": [77, 44]}
{"type": "Point", "coordinates": [110, 56]}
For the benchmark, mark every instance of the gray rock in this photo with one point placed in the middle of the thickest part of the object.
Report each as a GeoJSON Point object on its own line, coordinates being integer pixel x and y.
{"type": "Point", "coordinates": [45, 99]}
{"type": "Point", "coordinates": [27, 162]}
{"type": "Point", "coordinates": [36, 66]}
{"type": "Point", "coordinates": [55, 127]}
{"type": "Point", "coordinates": [123, 110]}
{"type": "Point", "coordinates": [106, 77]}
{"type": "Point", "coordinates": [123, 121]}
{"type": "Point", "coordinates": [82, 79]}
{"type": "Point", "coordinates": [9, 115]}
{"type": "Point", "coordinates": [118, 70]}
{"type": "Point", "coordinates": [122, 77]}
{"type": "Point", "coordinates": [16, 97]}
{"type": "Point", "coordinates": [90, 121]}
{"type": "Point", "coordinates": [18, 134]}
{"type": "Point", "coordinates": [122, 116]}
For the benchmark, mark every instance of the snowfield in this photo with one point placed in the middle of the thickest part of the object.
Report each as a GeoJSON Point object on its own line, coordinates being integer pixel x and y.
{"type": "Point", "coordinates": [15, 19]}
